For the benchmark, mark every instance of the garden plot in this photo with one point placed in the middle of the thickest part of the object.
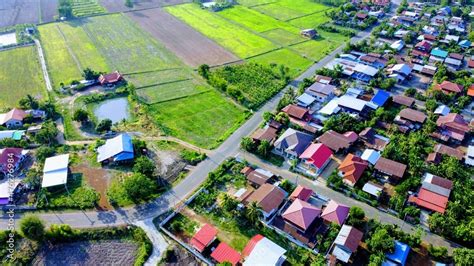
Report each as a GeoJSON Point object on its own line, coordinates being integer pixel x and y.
{"type": "Point", "coordinates": [238, 40]}
{"type": "Point", "coordinates": [190, 46]}
{"type": "Point", "coordinates": [103, 252]}
{"type": "Point", "coordinates": [20, 75]}
{"type": "Point", "coordinates": [82, 8]}
{"type": "Point", "coordinates": [291, 9]}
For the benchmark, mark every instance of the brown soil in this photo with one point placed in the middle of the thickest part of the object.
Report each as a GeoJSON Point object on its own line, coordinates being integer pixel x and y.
{"type": "Point", "coordinates": [119, 6]}
{"type": "Point", "coordinates": [109, 252]}
{"type": "Point", "coordinates": [97, 178]}
{"type": "Point", "coordinates": [188, 44]}
{"type": "Point", "coordinates": [26, 11]}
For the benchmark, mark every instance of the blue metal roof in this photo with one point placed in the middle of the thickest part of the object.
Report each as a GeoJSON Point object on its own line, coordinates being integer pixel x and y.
{"type": "Point", "coordinates": [439, 53]}
{"type": "Point", "coordinates": [380, 97]}
{"type": "Point", "coordinates": [400, 254]}
{"type": "Point", "coordinates": [465, 43]}
{"type": "Point", "coordinates": [119, 148]}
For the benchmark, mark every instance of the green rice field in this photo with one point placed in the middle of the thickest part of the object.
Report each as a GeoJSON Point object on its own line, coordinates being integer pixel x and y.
{"type": "Point", "coordinates": [290, 9]}
{"type": "Point", "coordinates": [294, 61]}
{"type": "Point", "coordinates": [170, 91]}
{"type": "Point", "coordinates": [20, 75]}
{"type": "Point", "coordinates": [81, 8]}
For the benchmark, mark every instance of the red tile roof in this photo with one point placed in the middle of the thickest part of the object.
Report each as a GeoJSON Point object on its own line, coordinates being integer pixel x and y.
{"type": "Point", "coordinates": [203, 237]}
{"type": "Point", "coordinates": [430, 200]}
{"type": "Point", "coordinates": [317, 154]}
{"type": "Point", "coordinates": [301, 213]}
{"type": "Point", "coordinates": [335, 212]}
{"type": "Point", "coordinates": [335, 141]}
{"type": "Point", "coordinates": [470, 90]}
{"type": "Point", "coordinates": [403, 100]}
{"type": "Point", "coordinates": [352, 168]}
{"type": "Point", "coordinates": [470, 63]}
{"type": "Point", "coordinates": [224, 253]}
{"type": "Point", "coordinates": [390, 167]}
{"type": "Point", "coordinates": [110, 78]}
{"type": "Point", "coordinates": [448, 86]}
{"type": "Point", "coordinates": [443, 149]}
{"type": "Point", "coordinates": [268, 197]}
{"type": "Point", "coordinates": [295, 111]}
{"type": "Point", "coordinates": [301, 193]}
{"type": "Point", "coordinates": [454, 121]}
{"type": "Point", "coordinates": [413, 115]}
{"type": "Point", "coordinates": [251, 244]}
{"type": "Point", "coordinates": [16, 114]}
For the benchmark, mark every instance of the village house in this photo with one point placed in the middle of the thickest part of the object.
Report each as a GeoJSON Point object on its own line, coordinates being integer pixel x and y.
{"type": "Point", "coordinates": [441, 149]}
{"type": "Point", "coordinates": [399, 255]}
{"type": "Point", "coordinates": [117, 149]}
{"type": "Point", "coordinates": [469, 159]}
{"type": "Point", "coordinates": [262, 251]}
{"type": "Point", "coordinates": [351, 169]}
{"type": "Point", "coordinates": [433, 194]}
{"type": "Point", "coordinates": [438, 55]}
{"type": "Point", "coordinates": [422, 49]}
{"type": "Point", "coordinates": [338, 142]}
{"type": "Point", "coordinates": [315, 158]}
{"type": "Point", "coordinates": [12, 134]}
{"type": "Point", "coordinates": [55, 171]}
{"type": "Point", "coordinates": [322, 79]}
{"type": "Point", "coordinates": [13, 119]}
{"type": "Point", "coordinates": [353, 105]}
{"type": "Point", "coordinates": [400, 72]}
{"type": "Point", "coordinates": [372, 140]}
{"type": "Point", "coordinates": [309, 33]}
{"type": "Point", "coordinates": [297, 114]}
{"type": "Point", "coordinates": [257, 177]}
{"type": "Point", "coordinates": [301, 215]}
{"type": "Point", "coordinates": [409, 119]}
{"type": "Point", "coordinates": [373, 60]}
{"type": "Point", "coordinates": [322, 92]}
{"type": "Point", "coordinates": [346, 243]}
{"type": "Point", "coordinates": [397, 45]}
{"type": "Point", "coordinates": [379, 99]}
{"type": "Point", "coordinates": [268, 133]}
{"type": "Point", "coordinates": [403, 100]}
{"type": "Point", "coordinates": [13, 157]}
{"type": "Point", "coordinates": [373, 189]}
{"type": "Point", "coordinates": [390, 170]}
{"type": "Point", "coordinates": [465, 44]}
{"type": "Point", "coordinates": [292, 143]}
{"type": "Point", "coordinates": [335, 213]}
{"type": "Point", "coordinates": [203, 237]}
{"type": "Point", "coordinates": [448, 87]}
{"type": "Point", "coordinates": [110, 79]}
{"type": "Point", "coordinates": [268, 197]}
{"type": "Point", "coordinates": [453, 126]}
{"type": "Point", "coordinates": [302, 193]}
{"type": "Point", "coordinates": [371, 156]}
{"type": "Point", "coordinates": [224, 253]}
{"type": "Point", "coordinates": [305, 100]}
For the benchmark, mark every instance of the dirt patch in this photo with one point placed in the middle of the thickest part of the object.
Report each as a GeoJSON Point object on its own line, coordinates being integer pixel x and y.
{"type": "Point", "coordinates": [14, 12]}
{"type": "Point", "coordinates": [188, 44]}
{"type": "Point", "coordinates": [177, 256]}
{"type": "Point", "coordinates": [97, 178]}
{"type": "Point", "coordinates": [109, 252]}
{"type": "Point", "coordinates": [119, 6]}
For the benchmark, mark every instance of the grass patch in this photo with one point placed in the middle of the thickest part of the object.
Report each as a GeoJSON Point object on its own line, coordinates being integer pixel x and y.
{"type": "Point", "coordinates": [294, 61]}
{"type": "Point", "coordinates": [283, 37]}
{"type": "Point", "coordinates": [70, 131]}
{"type": "Point", "coordinates": [157, 77]}
{"type": "Point", "coordinates": [255, 20]}
{"type": "Point", "coordinates": [291, 9]}
{"type": "Point", "coordinates": [205, 119]}
{"type": "Point", "coordinates": [170, 91]}
{"type": "Point", "coordinates": [20, 74]}
{"type": "Point", "coordinates": [316, 49]}
{"type": "Point", "coordinates": [311, 21]}
{"type": "Point", "coordinates": [240, 41]}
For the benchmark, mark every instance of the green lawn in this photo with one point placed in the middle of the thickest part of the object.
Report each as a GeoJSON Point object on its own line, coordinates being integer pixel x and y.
{"type": "Point", "coordinates": [237, 39]}
{"type": "Point", "coordinates": [294, 61]}
{"type": "Point", "coordinates": [255, 20]}
{"type": "Point", "coordinates": [61, 66]}
{"type": "Point", "coordinates": [205, 119]}
{"type": "Point", "coordinates": [170, 91]}
{"type": "Point", "coordinates": [290, 9]}
{"type": "Point", "coordinates": [20, 74]}
{"type": "Point", "coordinates": [311, 21]}
{"type": "Point", "coordinates": [283, 37]}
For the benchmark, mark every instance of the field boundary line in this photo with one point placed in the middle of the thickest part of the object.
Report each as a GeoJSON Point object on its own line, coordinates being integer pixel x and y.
{"type": "Point", "coordinates": [16, 46]}
{"type": "Point", "coordinates": [261, 4]}
{"type": "Point", "coordinates": [151, 71]}
{"type": "Point", "coordinates": [163, 83]}
{"type": "Point", "coordinates": [176, 98]}
{"type": "Point", "coordinates": [78, 64]}
{"type": "Point", "coordinates": [264, 53]}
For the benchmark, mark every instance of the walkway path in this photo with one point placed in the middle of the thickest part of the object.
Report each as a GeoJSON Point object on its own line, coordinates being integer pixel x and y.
{"type": "Point", "coordinates": [159, 242]}
{"type": "Point", "coordinates": [44, 69]}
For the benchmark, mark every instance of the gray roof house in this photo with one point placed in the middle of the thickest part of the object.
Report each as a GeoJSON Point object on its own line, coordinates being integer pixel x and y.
{"type": "Point", "coordinates": [322, 92]}
{"type": "Point", "coordinates": [292, 143]}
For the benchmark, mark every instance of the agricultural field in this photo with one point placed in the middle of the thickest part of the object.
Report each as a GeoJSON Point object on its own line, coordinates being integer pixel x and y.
{"type": "Point", "coordinates": [114, 6]}
{"type": "Point", "coordinates": [292, 60]}
{"type": "Point", "coordinates": [240, 41]}
{"type": "Point", "coordinates": [170, 91]}
{"type": "Point", "coordinates": [311, 21]}
{"type": "Point", "coordinates": [20, 74]}
{"type": "Point", "coordinates": [316, 50]}
{"type": "Point", "coordinates": [182, 39]}
{"type": "Point", "coordinates": [290, 9]}
{"type": "Point", "coordinates": [26, 11]}
{"type": "Point", "coordinates": [82, 8]}
{"type": "Point", "coordinates": [283, 37]}
{"type": "Point", "coordinates": [189, 118]}
{"type": "Point", "coordinates": [251, 3]}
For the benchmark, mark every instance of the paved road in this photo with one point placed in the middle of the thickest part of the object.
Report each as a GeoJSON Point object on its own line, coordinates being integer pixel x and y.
{"type": "Point", "coordinates": [319, 186]}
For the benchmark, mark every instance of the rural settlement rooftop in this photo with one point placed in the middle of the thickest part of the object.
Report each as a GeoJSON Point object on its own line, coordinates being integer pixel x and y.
{"type": "Point", "coordinates": [55, 170]}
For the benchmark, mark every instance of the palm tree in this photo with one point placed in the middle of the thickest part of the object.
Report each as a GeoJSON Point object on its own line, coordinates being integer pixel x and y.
{"type": "Point", "coordinates": [253, 213]}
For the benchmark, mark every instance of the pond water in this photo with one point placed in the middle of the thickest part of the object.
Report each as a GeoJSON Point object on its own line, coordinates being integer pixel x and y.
{"type": "Point", "coordinates": [115, 109]}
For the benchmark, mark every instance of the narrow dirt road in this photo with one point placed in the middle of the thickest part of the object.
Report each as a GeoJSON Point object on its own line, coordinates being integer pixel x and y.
{"type": "Point", "coordinates": [49, 87]}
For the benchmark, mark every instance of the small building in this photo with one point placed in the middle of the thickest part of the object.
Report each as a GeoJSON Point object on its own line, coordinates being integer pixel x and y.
{"type": "Point", "coordinates": [379, 99]}
{"type": "Point", "coordinates": [351, 169]}
{"type": "Point", "coordinates": [453, 126]}
{"type": "Point", "coordinates": [335, 213]}
{"type": "Point", "coordinates": [265, 134]}
{"type": "Point", "coordinates": [259, 177]}
{"type": "Point", "coordinates": [409, 119]}
{"type": "Point", "coordinates": [55, 171]}
{"type": "Point", "coordinates": [438, 55]}
{"type": "Point", "coordinates": [352, 105]}
{"type": "Point", "coordinates": [400, 72]}
{"type": "Point", "coordinates": [292, 143]}
{"type": "Point", "coordinates": [302, 193]}
{"type": "Point", "coordinates": [268, 197]}
{"type": "Point", "coordinates": [371, 156]}
{"type": "Point", "coordinates": [403, 100]}
{"type": "Point", "coordinates": [346, 243]}
{"type": "Point", "coordinates": [398, 45]}
{"type": "Point", "coordinates": [433, 194]}
{"type": "Point", "coordinates": [399, 255]}
{"type": "Point", "coordinates": [337, 142]}
{"type": "Point", "coordinates": [446, 150]}
{"type": "Point", "coordinates": [323, 92]}
{"type": "Point", "coordinates": [305, 100]}
{"type": "Point", "coordinates": [469, 160]}
{"type": "Point", "coordinates": [301, 215]}
{"type": "Point", "coordinates": [373, 189]}
{"type": "Point", "coordinates": [448, 87]}
{"type": "Point", "coordinates": [117, 149]}
{"type": "Point", "coordinates": [389, 169]}
{"type": "Point", "coordinates": [316, 157]}
{"type": "Point", "coordinates": [442, 110]}
{"type": "Point", "coordinates": [11, 159]}
{"type": "Point", "coordinates": [224, 253]}
{"type": "Point", "coordinates": [297, 114]}
{"type": "Point", "coordinates": [262, 251]}
{"type": "Point", "coordinates": [203, 237]}
{"type": "Point", "coordinates": [12, 134]}
{"type": "Point", "coordinates": [309, 33]}
{"type": "Point", "coordinates": [13, 119]}
{"type": "Point", "coordinates": [110, 79]}
{"type": "Point", "coordinates": [372, 140]}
